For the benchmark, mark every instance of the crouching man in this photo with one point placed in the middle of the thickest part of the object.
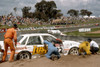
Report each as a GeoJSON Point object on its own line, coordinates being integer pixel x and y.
{"type": "Point", "coordinates": [94, 47]}
{"type": "Point", "coordinates": [84, 48]}
{"type": "Point", "coordinates": [52, 51]}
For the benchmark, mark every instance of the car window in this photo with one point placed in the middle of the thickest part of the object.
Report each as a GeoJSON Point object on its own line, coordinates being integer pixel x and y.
{"type": "Point", "coordinates": [34, 40]}
{"type": "Point", "coordinates": [24, 41]}
{"type": "Point", "coordinates": [19, 38]}
{"type": "Point", "coordinates": [49, 38]}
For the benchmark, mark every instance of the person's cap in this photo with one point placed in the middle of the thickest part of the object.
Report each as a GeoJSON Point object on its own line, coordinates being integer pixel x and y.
{"type": "Point", "coordinates": [15, 25]}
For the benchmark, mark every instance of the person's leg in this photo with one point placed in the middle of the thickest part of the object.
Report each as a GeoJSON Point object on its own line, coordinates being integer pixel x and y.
{"type": "Point", "coordinates": [80, 51]}
{"type": "Point", "coordinates": [57, 53]}
{"type": "Point", "coordinates": [49, 53]}
{"type": "Point", "coordinates": [5, 51]}
{"type": "Point", "coordinates": [92, 50]}
{"type": "Point", "coordinates": [12, 48]}
{"type": "Point", "coordinates": [96, 49]}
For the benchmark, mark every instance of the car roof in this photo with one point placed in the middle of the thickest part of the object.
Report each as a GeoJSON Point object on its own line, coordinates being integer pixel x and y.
{"type": "Point", "coordinates": [32, 34]}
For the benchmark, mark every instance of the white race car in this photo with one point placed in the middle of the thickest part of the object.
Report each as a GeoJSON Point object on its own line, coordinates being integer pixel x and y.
{"type": "Point", "coordinates": [26, 43]}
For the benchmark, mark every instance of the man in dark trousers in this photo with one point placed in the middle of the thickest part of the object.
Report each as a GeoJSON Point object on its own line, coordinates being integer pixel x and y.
{"type": "Point", "coordinates": [94, 47]}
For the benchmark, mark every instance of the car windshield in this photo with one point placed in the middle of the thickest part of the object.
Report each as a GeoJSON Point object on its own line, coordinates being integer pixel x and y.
{"type": "Point", "coordinates": [49, 38]}
{"type": "Point", "coordinates": [19, 38]}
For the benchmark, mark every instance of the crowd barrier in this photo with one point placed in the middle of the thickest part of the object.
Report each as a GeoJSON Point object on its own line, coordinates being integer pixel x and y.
{"type": "Point", "coordinates": [35, 28]}
{"type": "Point", "coordinates": [84, 29]}
{"type": "Point", "coordinates": [2, 30]}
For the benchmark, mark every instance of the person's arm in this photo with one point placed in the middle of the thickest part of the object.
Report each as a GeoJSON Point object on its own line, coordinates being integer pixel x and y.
{"type": "Point", "coordinates": [45, 43]}
{"type": "Point", "coordinates": [15, 37]}
{"type": "Point", "coordinates": [45, 46]}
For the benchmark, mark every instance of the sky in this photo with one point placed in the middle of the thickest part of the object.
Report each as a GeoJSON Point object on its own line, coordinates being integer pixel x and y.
{"type": "Point", "coordinates": [6, 6]}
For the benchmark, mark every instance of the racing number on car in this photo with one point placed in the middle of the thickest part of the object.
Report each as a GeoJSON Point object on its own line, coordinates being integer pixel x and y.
{"type": "Point", "coordinates": [39, 50]}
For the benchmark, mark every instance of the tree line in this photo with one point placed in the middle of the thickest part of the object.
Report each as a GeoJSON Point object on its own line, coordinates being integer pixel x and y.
{"type": "Point", "coordinates": [76, 13]}
{"type": "Point", "coordinates": [47, 11]}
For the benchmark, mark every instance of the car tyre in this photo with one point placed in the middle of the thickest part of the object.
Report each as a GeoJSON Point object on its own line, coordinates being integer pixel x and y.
{"type": "Point", "coordinates": [23, 55]}
{"type": "Point", "coordinates": [74, 51]}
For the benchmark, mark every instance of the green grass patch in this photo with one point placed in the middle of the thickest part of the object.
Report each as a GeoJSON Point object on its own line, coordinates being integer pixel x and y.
{"type": "Point", "coordinates": [92, 35]}
{"type": "Point", "coordinates": [85, 34]}
{"type": "Point", "coordinates": [95, 29]}
{"type": "Point", "coordinates": [31, 25]}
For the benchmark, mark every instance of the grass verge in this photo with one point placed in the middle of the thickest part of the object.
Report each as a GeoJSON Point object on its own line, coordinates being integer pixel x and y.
{"type": "Point", "coordinates": [85, 34]}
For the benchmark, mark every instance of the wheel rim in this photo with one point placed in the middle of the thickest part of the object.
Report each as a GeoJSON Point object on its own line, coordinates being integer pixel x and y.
{"type": "Point", "coordinates": [74, 51]}
{"type": "Point", "coordinates": [24, 56]}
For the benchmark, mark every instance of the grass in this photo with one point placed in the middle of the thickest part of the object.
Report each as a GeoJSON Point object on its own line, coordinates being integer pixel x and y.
{"type": "Point", "coordinates": [85, 34]}
{"type": "Point", "coordinates": [95, 29]}
{"type": "Point", "coordinates": [31, 25]}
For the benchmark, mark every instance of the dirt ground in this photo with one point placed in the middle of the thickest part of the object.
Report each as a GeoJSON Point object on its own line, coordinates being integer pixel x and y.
{"type": "Point", "coordinates": [96, 31]}
{"type": "Point", "coordinates": [64, 61]}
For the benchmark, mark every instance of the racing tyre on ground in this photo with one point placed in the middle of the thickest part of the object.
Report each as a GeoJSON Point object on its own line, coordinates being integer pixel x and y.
{"type": "Point", "coordinates": [23, 55]}
{"type": "Point", "coordinates": [74, 51]}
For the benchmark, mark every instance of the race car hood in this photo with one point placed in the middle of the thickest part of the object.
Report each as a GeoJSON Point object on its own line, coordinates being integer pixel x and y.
{"type": "Point", "coordinates": [71, 43]}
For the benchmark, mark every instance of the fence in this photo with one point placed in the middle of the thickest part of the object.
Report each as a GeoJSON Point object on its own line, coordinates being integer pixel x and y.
{"type": "Point", "coordinates": [84, 29]}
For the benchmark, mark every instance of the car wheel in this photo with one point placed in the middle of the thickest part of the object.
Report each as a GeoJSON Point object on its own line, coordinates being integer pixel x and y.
{"type": "Point", "coordinates": [74, 51]}
{"type": "Point", "coordinates": [23, 55]}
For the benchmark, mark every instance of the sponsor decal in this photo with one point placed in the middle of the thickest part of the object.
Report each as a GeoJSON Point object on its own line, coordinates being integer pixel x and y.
{"type": "Point", "coordinates": [39, 50]}
{"type": "Point", "coordinates": [17, 48]}
{"type": "Point", "coordinates": [20, 48]}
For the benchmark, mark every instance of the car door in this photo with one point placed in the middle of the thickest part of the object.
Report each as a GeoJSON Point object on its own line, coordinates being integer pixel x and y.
{"type": "Point", "coordinates": [21, 45]}
{"type": "Point", "coordinates": [32, 43]}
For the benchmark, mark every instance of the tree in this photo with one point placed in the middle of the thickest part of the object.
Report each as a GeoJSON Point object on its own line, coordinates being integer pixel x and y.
{"type": "Point", "coordinates": [59, 14]}
{"type": "Point", "coordinates": [15, 9]}
{"type": "Point", "coordinates": [89, 13]}
{"type": "Point", "coordinates": [46, 10]}
{"type": "Point", "coordinates": [30, 15]}
{"type": "Point", "coordinates": [84, 12]}
{"type": "Point", "coordinates": [10, 14]}
{"type": "Point", "coordinates": [25, 11]}
{"type": "Point", "coordinates": [73, 13]}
